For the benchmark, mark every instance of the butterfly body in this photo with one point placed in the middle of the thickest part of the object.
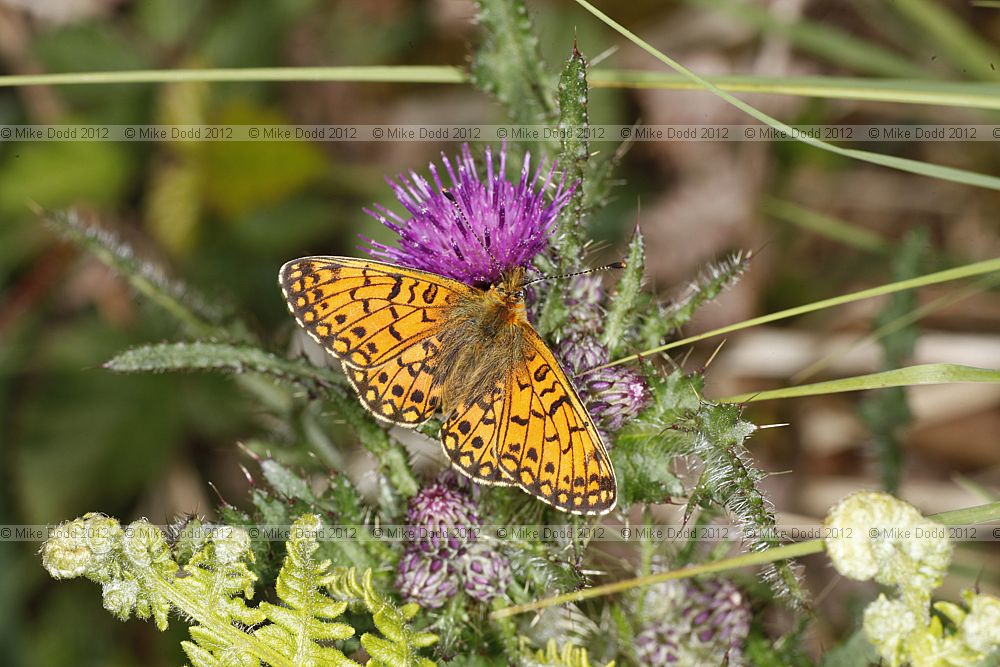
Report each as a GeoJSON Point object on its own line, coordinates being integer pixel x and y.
{"type": "Point", "coordinates": [414, 343]}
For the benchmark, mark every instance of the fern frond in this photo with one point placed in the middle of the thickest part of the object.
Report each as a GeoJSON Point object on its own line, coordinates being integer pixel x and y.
{"type": "Point", "coordinates": [306, 617]}
{"type": "Point", "coordinates": [556, 655]}
{"type": "Point", "coordinates": [140, 576]}
{"type": "Point", "coordinates": [399, 644]}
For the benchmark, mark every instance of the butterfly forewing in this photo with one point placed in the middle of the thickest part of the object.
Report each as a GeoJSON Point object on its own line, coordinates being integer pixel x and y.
{"type": "Point", "coordinates": [381, 321]}
{"type": "Point", "coordinates": [366, 312]}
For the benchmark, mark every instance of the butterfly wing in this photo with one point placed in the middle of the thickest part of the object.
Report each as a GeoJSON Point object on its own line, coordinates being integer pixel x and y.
{"type": "Point", "coordinates": [469, 437]}
{"type": "Point", "coordinates": [381, 321]}
{"type": "Point", "coordinates": [543, 439]}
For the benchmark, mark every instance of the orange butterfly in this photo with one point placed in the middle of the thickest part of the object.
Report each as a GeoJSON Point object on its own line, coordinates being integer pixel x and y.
{"type": "Point", "coordinates": [413, 343]}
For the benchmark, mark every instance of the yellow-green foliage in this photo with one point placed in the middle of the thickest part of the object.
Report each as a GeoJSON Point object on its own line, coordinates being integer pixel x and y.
{"type": "Point", "coordinates": [140, 576]}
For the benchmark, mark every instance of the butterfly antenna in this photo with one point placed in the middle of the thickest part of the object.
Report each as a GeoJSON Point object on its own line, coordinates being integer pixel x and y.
{"type": "Point", "coordinates": [485, 243]}
{"type": "Point", "coordinates": [606, 267]}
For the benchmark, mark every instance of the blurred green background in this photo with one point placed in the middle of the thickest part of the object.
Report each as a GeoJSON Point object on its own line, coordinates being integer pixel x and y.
{"type": "Point", "coordinates": [224, 216]}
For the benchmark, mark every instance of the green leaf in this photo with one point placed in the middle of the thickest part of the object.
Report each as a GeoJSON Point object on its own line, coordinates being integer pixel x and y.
{"type": "Point", "coordinates": [303, 624]}
{"type": "Point", "coordinates": [245, 176]}
{"type": "Point", "coordinates": [399, 644]}
{"type": "Point", "coordinates": [966, 271]}
{"type": "Point", "coordinates": [622, 308]}
{"type": "Point", "coordinates": [221, 357]}
{"type": "Point", "coordinates": [285, 482]}
{"type": "Point", "coordinates": [710, 283]}
{"type": "Point", "coordinates": [508, 64]}
{"type": "Point", "coordinates": [175, 298]}
{"type": "Point", "coordinates": [829, 227]}
{"type": "Point", "coordinates": [900, 377]}
{"type": "Point", "coordinates": [952, 37]}
{"type": "Point", "coordinates": [829, 43]}
{"type": "Point", "coordinates": [91, 172]}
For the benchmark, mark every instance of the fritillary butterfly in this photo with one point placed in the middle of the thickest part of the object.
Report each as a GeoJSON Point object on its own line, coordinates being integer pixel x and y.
{"type": "Point", "coordinates": [415, 343]}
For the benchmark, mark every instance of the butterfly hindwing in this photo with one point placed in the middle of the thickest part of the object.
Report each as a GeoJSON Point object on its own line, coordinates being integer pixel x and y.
{"type": "Point", "coordinates": [534, 433]}
{"type": "Point", "coordinates": [469, 437]}
{"type": "Point", "coordinates": [404, 390]}
{"type": "Point", "coordinates": [365, 312]}
{"type": "Point", "coordinates": [549, 445]}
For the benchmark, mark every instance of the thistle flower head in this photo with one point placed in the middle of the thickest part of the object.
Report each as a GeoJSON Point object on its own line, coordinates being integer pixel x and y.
{"type": "Point", "coordinates": [427, 580]}
{"type": "Point", "coordinates": [439, 513]}
{"type": "Point", "coordinates": [487, 572]}
{"type": "Point", "coordinates": [694, 623]}
{"type": "Point", "coordinates": [513, 219]}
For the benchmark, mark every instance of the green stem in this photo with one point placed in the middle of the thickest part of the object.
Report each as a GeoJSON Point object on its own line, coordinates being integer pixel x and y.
{"type": "Point", "coordinates": [962, 517]}
{"type": "Point", "coordinates": [890, 161]}
{"type": "Point", "coordinates": [898, 377]}
{"type": "Point", "coordinates": [975, 269]}
{"type": "Point", "coordinates": [943, 93]}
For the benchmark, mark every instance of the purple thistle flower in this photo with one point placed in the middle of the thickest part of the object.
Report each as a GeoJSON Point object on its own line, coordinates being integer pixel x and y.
{"type": "Point", "coordinates": [427, 580]}
{"type": "Point", "coordinates": [694, 623]}
{"type": "Point", "coordinates": [614, 395]}
{"type": "Point", "coordinates": [487, 572]}
{"type": "Point", "coordinates": [512, 219]}
{"type": "Point", "coordinates": [436, 512]}
{"type": "Point", "coordinates": [658, 645]}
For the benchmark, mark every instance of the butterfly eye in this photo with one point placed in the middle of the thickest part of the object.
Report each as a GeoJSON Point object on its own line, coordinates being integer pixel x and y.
{"type": "Point", "coordinates": [519, 294]}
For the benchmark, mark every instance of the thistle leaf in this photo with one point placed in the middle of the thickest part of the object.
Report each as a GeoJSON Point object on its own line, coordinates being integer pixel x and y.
{"type": "Point", "coordinates": [621, 310]}
{"type": "Point", "coordinates": [508, 64]}
{"type": "Point", "coordinates": [709, 284]}
{"type": "Point", "coordinates": [236, 359]}
{"type": "Point", "coordinates": [886, 412]}
{"type": "Point", "coordinates": [180, 301]}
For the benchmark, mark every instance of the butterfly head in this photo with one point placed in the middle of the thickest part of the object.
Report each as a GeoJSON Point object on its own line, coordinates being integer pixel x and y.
{"type": "Point", "coordinates": [510, 287]}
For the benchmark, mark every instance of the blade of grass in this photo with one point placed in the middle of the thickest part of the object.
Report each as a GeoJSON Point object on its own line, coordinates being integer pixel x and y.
{"type": "Point", "coordinates": [897, 324]}
{"type": "Point", "coordinates": [961, 46]}
{"type": "Point", "coordinates": [899, 377]}
{"type": "Point", "coordinates": [830, 44]}
{"type": "Point", "coordinates": [962, 517]}
{"type": "Point", "coordinates": [902, 164]}
{"type": "Point", "coordinates": [831, 228]}
{"type": "Point", "coordinates": [944, 93]}
{"type": "Point", "coordinates": [370, 74]}
{"type": "Point", "coordinates": [966, 271]}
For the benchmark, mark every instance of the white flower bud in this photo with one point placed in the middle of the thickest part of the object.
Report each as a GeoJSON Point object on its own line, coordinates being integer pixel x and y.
{"type": "Point", "coordinates": [874, 535]}
{"type": "Point", "coordinates": [887, 625]}
{"type": "Point", "coordinates": [981, 627]}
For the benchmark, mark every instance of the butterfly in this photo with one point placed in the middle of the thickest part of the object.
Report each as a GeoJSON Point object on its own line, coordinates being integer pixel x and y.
{"type": "Point", "coordinates": [413, 343]}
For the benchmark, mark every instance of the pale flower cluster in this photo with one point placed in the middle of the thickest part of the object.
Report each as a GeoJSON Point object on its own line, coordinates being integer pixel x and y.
{"type": "Point", "coordinates": [876, 536]}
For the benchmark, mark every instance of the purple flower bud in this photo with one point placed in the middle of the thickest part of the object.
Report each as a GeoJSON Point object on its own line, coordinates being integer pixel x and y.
{"type": "Point", "coordinates": [487, 572]}
{"type": "Point", "coordinates": [658, 645]}
{"type": "Point", "coordinates": [427, 580]}
{"type": "Point", "coordinates": [511, 219]}
{"type": "Point", "coordinates": [614, 395]}
{"type": "Point", "coordinates": [694, 623]}
{"type": "Point", "coordinates": [441, 517]}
